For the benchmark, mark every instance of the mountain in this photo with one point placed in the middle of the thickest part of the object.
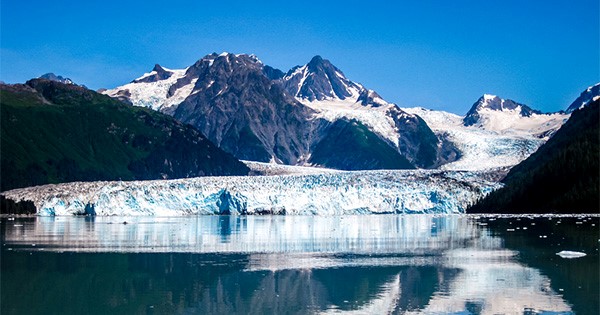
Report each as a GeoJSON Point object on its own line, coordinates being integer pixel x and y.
{"type": "Point", "coordinates": [591, 94]}
{"type": "Point", "coordinates": [253, 112]}
{"type": "Point", "coordinates": [53, 77]}
{"type": "Point", "coordinates": [325, 89]}
{"type": "Point", "coordinates": [244, 112]}
{"type": "Point", "coordinates": [494, 132]}
{"type": "Point", "coordinates": [158, 73]}
{"type": "Point", "coordinates": [54, 132]}
{"type": "Point", "coordinates": [484, 111]}
{"type": "Point", "coordinates": [561, 177]}
{"type": "Point", "coordinates": [320, 80]}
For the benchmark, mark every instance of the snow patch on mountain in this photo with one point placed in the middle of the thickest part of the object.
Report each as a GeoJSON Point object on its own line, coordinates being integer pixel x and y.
{"type": "Point", "coordinates": [153, 94]}
{"type": "Point", "coordinates": [332, 193]}
{"type": "Point", "coordinates": [591, 94]}
{"type": "Point", "coordinates": [511, 122]}
{"type": "Point", "coordinates": [503, 140]}
{"type": "Point", "coordinates": [376, 119]}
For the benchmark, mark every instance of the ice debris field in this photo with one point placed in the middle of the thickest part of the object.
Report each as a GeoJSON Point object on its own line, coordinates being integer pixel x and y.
{"type": "Point", "coordinates": [328, 193]}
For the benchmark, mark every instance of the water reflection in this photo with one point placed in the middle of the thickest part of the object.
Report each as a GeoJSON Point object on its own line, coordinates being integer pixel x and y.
{"type": "Point", "coordinates": [417, 234]}
{"type": "Point", "coordinates": [416, 264]}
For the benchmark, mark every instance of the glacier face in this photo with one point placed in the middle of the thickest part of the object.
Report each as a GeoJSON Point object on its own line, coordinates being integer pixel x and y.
{"type": "Point", "coordinates": [333, 193]}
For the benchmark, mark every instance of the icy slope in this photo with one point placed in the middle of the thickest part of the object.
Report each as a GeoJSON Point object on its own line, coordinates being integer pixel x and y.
{"type": "Point", "coordinates": [153, 93]}
{"type": "Point", "coordinates": [319, 194]}
{"type": "Point", "coordinates": [499, 139]}
{"type": "Point", "coordinates": [504, 116]}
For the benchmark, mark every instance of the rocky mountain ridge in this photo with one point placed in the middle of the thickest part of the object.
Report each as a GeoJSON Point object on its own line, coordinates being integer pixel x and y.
{"type": "Point", "coordinates": [254, 112]}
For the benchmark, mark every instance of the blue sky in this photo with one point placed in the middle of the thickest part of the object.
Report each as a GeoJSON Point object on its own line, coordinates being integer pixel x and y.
{"type": "Point", "coordinates": [435, 54]}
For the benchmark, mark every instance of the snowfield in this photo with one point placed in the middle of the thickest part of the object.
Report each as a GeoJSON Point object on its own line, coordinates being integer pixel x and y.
{"type": "Point", "coordinates": [154, 94]}
{"type": "Point", "coordinates": [501, 139]}
{"type": "Point", "coordinates": [375, 118]}
{"type": "Point", "coordinates": [330, 193]}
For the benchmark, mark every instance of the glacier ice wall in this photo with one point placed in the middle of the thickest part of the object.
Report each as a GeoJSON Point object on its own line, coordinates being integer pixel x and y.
{"type": "Point", "coordinates": [361, 192]}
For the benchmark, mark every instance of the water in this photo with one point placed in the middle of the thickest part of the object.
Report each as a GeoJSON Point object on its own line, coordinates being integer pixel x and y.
{"type": "Point", "coordinates": [376, 264]}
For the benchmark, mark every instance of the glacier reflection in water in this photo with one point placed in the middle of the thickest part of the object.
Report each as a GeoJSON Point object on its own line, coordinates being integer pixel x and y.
{"type": "Point", "coordinates": [374, 264]}
{"type": "Point", "coordinates": [418, 234]}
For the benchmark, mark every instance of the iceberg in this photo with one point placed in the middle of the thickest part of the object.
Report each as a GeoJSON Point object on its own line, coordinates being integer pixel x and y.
{"type": "Point", "coordinates": [328, 193]}
{"type": "Point", "coordinates": [570, 254]}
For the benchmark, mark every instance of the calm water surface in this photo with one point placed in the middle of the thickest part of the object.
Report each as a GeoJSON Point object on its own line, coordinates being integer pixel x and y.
{"type": "Point", "coordinates": [376, 264]}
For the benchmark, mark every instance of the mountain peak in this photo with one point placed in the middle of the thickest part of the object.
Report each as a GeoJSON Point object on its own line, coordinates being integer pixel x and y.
{"type": "Point", "coordinates": [586, 97]}
{"type": "Point", "coordinates": [158, 68]}
{"type": "Point", "coordinates": [494, 103]}
{"type": "Point", "coordinates": [316, 60]}
{"type": "Point", "coordinates": [53, 77]}
{"type": "Point", "coordinates": [158, 73]}
{"type": "Point", "coordinates": [489, 97]}
{"type": "Point", "coordinates": [319, 80]}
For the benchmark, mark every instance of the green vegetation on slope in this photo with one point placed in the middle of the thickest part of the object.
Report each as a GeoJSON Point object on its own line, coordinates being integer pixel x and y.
{"type": "Point", "coordinates": [561, 177]}
{"type": "Point", "coordinates": [350, 145]}
{"type": "Point", "coordinates": [52, 133]}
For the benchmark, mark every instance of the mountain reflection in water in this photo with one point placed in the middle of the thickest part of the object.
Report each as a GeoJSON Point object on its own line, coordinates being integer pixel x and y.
{"type": "Point", "coordinates": [411, 264]}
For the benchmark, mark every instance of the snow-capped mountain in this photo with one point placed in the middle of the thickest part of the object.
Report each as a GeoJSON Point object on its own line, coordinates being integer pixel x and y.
{"type": "Point", "coordinates": [325, 89]}
{"type": "Point", "coordinates": [53, 77]}
{"type": "Point", "coordinates": [257, 113]}
{"type": "Point", "coordinates": [230, 100]}
{"type": "Point", "coordinates": [488, 105]}
{"type": "Point", "coordinates": [504, 116]}
{"type": "Point", "coordinates": [320, 80]}
{"type": "Point", "coordinates": [494, 132]}
{"type": "Point", "coordinates": [592, 93]}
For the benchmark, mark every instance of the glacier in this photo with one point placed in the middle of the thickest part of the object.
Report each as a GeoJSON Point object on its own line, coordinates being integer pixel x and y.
{"type": "Point", "coordinates": [500, 139]}
{"type": "Point", "coordinates": [327, 193]}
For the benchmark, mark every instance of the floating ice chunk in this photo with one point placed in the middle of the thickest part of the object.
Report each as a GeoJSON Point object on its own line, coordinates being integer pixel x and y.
{"type": "Point", "coordinates": [570, 254]}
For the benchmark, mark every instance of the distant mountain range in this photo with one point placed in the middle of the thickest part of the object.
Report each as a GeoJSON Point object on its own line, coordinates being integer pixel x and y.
{"type": "Point", "coordinates": [55, 132]}
{"type": "Point", "coordinates": [314, 115]}
{"type": "Point", "coordinates": [259, 113]}
{"type": "Point", "coordinates": [201, 120]}
{"type": "Point", "coordinates": [309, 115]}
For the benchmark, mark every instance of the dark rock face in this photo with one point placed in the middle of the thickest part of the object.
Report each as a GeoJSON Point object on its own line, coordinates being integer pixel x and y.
{"type": "Point", "coordinates": [419, 143]}
{"type": "Point", "coordinates": [369, 97]}
{"type": "Point", "coordinates": [585, 98]}
{"type": "Point", "coordinates": [159, 74]}
{"type": "Point", "coordinates": [244, 112]}
{"type": "Point", "coordinates": [272, 73]}
{"type": "Point", "coordinates": [318, 80]}
{"type": "Point", "coordinates": [496, 104]}
{"type": "Point", "coordinates": [57, 78]}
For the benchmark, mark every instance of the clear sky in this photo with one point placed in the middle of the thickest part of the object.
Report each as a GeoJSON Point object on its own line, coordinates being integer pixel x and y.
{"type": "Point", "coordinates": [435, 54]}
